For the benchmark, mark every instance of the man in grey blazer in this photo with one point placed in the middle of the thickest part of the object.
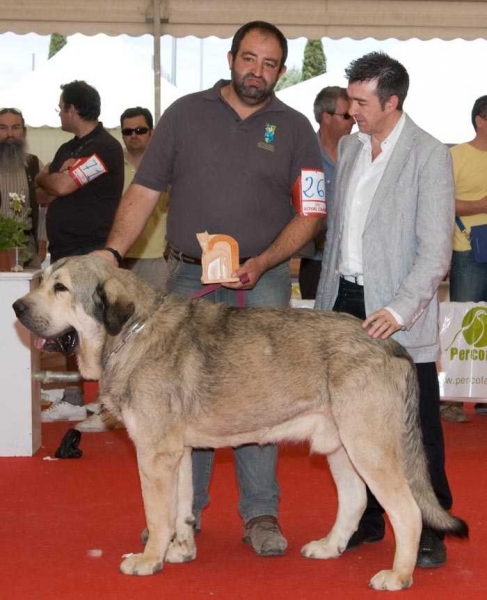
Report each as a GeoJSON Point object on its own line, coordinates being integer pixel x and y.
{"type": "Point", "coordinates": [388, 247]}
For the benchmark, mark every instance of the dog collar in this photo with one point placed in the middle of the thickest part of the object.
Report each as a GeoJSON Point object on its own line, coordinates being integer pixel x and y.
{"type": "Point", "coordinates": [136, 328]}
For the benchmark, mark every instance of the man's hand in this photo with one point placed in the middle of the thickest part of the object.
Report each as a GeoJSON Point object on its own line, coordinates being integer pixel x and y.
{"type": "Point", "coordinates": [55, 184]}
{"type": "Point", "coordinates": [66, 164]}
{"type": "Point", "coordinates": [381, 324]}
{"type": "Point", "coordinates": [106, 255]}
{"type": "Point", "coordinates": [249, 273]}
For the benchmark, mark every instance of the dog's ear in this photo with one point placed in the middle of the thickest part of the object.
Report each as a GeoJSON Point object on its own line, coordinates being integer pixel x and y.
{"type": "Point", "coordinates": [113, 307]}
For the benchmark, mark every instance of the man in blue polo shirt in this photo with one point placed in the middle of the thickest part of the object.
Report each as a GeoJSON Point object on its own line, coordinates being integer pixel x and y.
{"type": "Point", "coordinates": [233, 156]}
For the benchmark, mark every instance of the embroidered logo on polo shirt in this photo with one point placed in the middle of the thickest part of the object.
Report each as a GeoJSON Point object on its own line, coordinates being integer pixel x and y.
{"type": "Point", "coordinates": [269, 134]}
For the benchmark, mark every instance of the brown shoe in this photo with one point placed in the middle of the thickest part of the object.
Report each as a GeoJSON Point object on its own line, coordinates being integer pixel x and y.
{"type": "Point", "coordinates": [264, 535]}
{"type": "Point", "coordinates": [453, 411]}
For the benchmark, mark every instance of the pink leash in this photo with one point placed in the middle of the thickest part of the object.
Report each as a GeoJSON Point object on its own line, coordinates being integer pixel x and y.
{"type": "Point", "coordinates": [212, 287]}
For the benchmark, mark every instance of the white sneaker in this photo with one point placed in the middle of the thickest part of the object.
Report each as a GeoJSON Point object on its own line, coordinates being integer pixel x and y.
{"type": "Point", "coordinates": [51, 395]}
{"type": "Point", "coordinates": [102, 421]}
{"type": "Point", "coordinates": [63, 411]}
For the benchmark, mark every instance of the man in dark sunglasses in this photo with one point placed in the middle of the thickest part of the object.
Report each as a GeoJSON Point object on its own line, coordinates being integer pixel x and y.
{"type": "Point", "coordinates": [145, 257]}
{"type": "Point", "coordinates": [331, 113]}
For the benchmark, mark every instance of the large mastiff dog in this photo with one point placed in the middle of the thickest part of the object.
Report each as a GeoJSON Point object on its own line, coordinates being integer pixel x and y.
{"type": "Point", "coordinates": [186, 373]}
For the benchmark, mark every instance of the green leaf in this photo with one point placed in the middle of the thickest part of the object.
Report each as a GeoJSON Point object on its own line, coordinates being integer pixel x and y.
{"type": "Point", "coordinates": [13, 234]}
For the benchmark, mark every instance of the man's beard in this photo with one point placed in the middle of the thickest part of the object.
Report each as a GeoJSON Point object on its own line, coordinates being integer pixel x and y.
{"type": "Point", "coordinates": [249, 93]}
{"type": "Point", "coordinates": [13, 154]}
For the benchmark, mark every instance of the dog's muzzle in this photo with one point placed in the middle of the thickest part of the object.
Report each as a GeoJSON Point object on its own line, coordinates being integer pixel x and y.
{"type": "Point", "coordinates": [65, 343]}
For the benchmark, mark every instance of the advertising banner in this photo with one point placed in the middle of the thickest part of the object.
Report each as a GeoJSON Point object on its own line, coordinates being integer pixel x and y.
{"type": "Point", "coordinates": [463, 336]}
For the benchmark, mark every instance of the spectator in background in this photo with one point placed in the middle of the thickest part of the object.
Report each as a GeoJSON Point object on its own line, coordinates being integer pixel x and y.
{"type": "Point", "coordinates": [18, 170]}
{"type": "Point", "coordinates": [388, 248]}
{"type": "Point", "coordinates": [331, 113]}
{"type": "Point", "coordinates": [146, 257]}
{"type": "Point", "coordinates": [81, 187]}
{"type": "Point", "coordinates": [468, 279]}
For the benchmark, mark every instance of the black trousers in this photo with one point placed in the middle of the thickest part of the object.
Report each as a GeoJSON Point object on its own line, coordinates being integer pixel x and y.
{"type": "Point", "coordinates": [309, 277]}
{"type": "Point", "coordinates": [351, 300]}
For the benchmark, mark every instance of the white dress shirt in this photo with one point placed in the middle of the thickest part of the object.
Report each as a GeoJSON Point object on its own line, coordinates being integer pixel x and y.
{"type": "Point", "coordinates": [364, 182]}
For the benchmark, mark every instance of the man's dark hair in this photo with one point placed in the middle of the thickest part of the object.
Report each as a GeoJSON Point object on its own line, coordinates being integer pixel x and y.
{"type": "Point", "coordinates": [326, 101]}
{"type": "Point", "coordinates": [265, 28]}
{"type": "Point", "coordinates": [138, 111]}
{"type": "Point", "coordinates": [479, 110]}
{"type": "Point", "coordinates": [13, 111]}
{"type": "Point", "coordinates": [392, 77]}
{"type": "Point", "coordinates": [84, 98]}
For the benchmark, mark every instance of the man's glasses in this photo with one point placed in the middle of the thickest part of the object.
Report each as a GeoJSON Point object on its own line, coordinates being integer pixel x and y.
{"type": "Point", "coordinates": [346, 116]}
{"type": "Point", "coordinates": [137, 130]}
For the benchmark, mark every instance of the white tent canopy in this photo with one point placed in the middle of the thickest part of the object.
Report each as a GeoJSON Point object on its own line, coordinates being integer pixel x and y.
{"type": "Point", "coordinates": [401, 19]}
{"type": "Point", "coordinates": [445, 80]}
{"type": "Point", "coordinates": [115, 69]}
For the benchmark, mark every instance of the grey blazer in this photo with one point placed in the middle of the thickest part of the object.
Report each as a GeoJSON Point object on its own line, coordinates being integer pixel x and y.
{"type": "Point", "coordinates": [407, 239]}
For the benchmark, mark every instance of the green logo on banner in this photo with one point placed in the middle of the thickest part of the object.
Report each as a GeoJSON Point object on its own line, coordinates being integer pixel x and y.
{"type": "Point", "coordinates": [474, 327]}
{"type": "Point", "coordinates": [474, 331]}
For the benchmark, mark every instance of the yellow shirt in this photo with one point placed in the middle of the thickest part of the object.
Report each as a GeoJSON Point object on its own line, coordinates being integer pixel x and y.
{"type": "Point", "coordinates": [470, 170]}
{"type": "Point", "coordinates": [152, 241]}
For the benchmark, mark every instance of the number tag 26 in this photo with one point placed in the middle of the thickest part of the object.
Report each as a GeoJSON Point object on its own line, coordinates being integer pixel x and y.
{"type": "Point", "coordinates": [308, 194]}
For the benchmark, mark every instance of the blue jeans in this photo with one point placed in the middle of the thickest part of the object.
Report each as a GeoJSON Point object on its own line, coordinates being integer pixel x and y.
{"type": "Point", "coordinates": [468, 279]}
{"type": "Point", "coordinates": [255, 465]}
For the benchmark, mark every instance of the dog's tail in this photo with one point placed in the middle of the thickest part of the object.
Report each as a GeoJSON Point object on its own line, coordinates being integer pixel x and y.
{"type": "Point", "coordinates": [416, 467]}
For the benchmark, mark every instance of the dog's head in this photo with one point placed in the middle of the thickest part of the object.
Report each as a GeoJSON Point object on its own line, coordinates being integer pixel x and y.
{"type": "Point", "coordinates": [79, 302]}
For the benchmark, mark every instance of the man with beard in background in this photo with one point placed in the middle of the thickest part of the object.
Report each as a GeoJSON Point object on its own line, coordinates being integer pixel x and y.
{"type": "Point", "coordinates": [18, 169]}
{"type": "Point", "coordinates": [233, 156]}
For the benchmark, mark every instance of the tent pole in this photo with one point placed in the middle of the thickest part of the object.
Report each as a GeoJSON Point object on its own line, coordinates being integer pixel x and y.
{"type": "Point", "coordinates": [157, 60]}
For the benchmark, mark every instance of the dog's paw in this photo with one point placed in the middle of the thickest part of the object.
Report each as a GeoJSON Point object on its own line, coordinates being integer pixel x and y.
{"type": "Point", "coordinates": [181, 550]}
{"type": "Point", "coordinates": [320, 549]}
{"type": "Point", "coordinates": [390, 580]}
{"type": "Point", "coordinates": [138, 564]}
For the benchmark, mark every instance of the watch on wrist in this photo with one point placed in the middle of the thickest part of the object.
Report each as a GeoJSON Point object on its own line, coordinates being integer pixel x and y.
{"type": "Point", "coordinates": [115, 253]}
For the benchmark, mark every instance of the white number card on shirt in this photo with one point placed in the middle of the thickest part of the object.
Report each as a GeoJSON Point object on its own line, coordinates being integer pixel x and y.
{"type": "Point", "coordinates": [86, 169]}
{"type": "Point", "coordinates": [309, 194]}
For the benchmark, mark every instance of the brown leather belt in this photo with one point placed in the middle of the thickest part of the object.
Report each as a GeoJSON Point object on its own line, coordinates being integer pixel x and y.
{"type": "Point", "coordinates": [190, 260]}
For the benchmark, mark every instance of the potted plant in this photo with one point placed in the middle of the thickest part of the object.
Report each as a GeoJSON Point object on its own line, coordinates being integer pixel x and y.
{"type": "Point", "coordinates": [14, 236]}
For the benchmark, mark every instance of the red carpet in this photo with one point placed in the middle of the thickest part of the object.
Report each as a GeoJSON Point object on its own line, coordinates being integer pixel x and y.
{"type": "Point", "coordinates": [53, 513]}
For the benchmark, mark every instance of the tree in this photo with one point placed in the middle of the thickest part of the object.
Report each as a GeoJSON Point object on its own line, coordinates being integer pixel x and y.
{"type": "Point", "coordinates": [314, 61]}
{"type": "Point", "coordinates": [290, 77]}
{"type": "Point", "coordinates": [57, 42]}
